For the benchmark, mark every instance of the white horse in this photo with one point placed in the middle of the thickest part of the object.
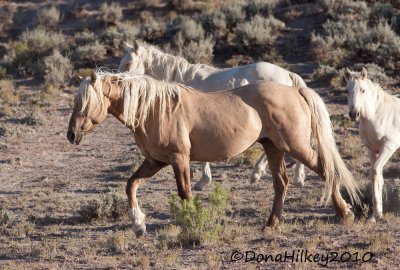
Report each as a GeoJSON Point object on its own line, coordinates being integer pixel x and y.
{"type": "Point", "coordinates": [150, 60]}
{"type": "Point", "coordinates": [379, 115]}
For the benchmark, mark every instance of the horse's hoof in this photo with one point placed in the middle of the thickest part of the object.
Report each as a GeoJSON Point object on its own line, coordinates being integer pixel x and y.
{"type": "Point", "coordinates": [255, 178]}
{"type": "Point", "coordinates": [272, 229]}
{"type": "Point", "coordinates": [348, 219]}
{"type": "Point", "coordinates": [371, 220]}
{"type": "Point", "coordinates": [199, 186]}
{"type": "Point", "coordinates": [139, 230]}
{"type": "Point", "coordinates": [299, 184]}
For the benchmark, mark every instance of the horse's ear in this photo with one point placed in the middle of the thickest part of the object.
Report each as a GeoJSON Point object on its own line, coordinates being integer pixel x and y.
{"type": "Point", "coordinates": [363, 73]}
{"type": "Point", "coordinates": [347, 74]}
{"type": "Point", "coordinates": [128, 46]}
{"type": "Point", "coordinates": [136, 45]}
{"type": "Point", "coordinates": [93, 77]}
{"type": "Point", "coordinates": [75, 79]}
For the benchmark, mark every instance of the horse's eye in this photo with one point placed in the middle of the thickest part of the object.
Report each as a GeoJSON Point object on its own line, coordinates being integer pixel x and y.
{"type": "Point", "coordinates": [362, 91]}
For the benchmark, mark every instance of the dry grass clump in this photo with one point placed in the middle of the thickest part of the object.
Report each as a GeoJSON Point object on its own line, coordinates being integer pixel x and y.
{"type": "Point", "coordinates": [390, 199]}
{"type": "Point", "coordinates": [48, 17]}
{"type": "Point", "coordinates": [110, 14]}
{"type": "Point", "coordinates": [9, 98]}
{"type": "Point", "coordinates": [6, 18]}
{"type": "Point", "coordinates": [15, 226]}
{"type": "Point", "coordinates": [109, 205]}
{"type": "Point", "coordinates": [57, 68]}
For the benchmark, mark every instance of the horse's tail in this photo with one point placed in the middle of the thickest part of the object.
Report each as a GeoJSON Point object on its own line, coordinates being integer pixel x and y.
{"type": "Point", "coordinates": [297, 80]}
{"type": "Point", "coordinates": [334, 168]}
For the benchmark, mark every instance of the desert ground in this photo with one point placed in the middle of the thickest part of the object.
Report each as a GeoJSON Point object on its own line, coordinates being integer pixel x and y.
{"type": "Point", "coordinates": [63, 206]}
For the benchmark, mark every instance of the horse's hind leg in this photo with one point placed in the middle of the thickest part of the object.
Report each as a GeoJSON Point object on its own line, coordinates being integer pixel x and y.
{"type": "Point", "coordinates": [205, 178]}
{"type": "Point", "coordinates": [148, 168]}
{"type": "Point", "coordinates": [259, 169]}
{"type": "Point", "coordinates": [299, 174]}
{"type": "Point", "coordinates": [280, 181]}
{"type": "Point", "coordinates": [306, 155]}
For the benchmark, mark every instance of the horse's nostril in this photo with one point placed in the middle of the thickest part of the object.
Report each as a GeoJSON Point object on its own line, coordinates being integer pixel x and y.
{"type": "Point", "coordinates": [358, 114]}
{"type": "Point", "coordinates": [71, 136]}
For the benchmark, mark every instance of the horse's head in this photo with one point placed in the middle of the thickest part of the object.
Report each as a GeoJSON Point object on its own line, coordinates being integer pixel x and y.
{"type": "Point", "coordinates": [132, 62]}
{"type": "Point", "coordinates": [90, 108]}
{"type": "Point", "coordinates": [357, 91]}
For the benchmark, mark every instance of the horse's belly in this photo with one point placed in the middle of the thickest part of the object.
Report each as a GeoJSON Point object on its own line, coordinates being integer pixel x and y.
{"type": "Point", "coordinates": [213, 144]}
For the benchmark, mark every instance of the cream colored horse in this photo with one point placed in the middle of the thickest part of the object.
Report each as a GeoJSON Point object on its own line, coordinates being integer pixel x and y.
{"type": "Point", "coordinates": [146, 59]}
{"type": "Point", "coordinates": [379, 117]}
{"type": "Point", "coordinates": [173, 125]}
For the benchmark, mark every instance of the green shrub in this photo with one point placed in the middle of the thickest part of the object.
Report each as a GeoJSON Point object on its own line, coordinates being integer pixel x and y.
{"type": "Point", "coordinates": [199, 224]}
{"type": "Point", "coordinates": [57, 68]}
{"type": "Point", "coordinates": [234, 13]}
{"type": "Point", "coordinates": [110, 14]}
{"type": "Point", "coordinates": [48, 17]}
{"type": "Point", "coordinates": [214, 22]}
{"type": "Point", "coordinates": [85, 37]}
{"type": "Point", "coordinates": [28, 52]}
{"type": "Point", "coordinates": [358, 33]}
{"type": "Point", "coordinates": [114, 37]}
{"type": "Point", "coordinates": [90, 53]}
{"type": "Point", "coordinates": [152, 28]}
{"type": "Point", "coordinates": [255, 7]}
{"type": "Point", "coordinates": [259, 31]}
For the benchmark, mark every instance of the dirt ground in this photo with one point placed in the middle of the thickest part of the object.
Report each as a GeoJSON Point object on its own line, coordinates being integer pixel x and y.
{"type": "Point", "coordinates": [45, 181]}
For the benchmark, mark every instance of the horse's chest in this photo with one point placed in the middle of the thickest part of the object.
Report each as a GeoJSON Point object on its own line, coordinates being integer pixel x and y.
{"type": "Point", "coordinates": [372, 136]}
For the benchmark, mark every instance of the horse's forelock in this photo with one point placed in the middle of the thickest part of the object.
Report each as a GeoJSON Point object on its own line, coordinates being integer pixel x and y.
{"type": "Point", "coordinates": [89, 97]}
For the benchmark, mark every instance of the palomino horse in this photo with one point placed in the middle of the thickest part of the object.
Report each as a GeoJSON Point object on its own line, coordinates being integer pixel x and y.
{"type": "Point", "coordinates": [146, 59]}
{"type": "Point", "coordinates": [379, 116]}
{"type": "Point", "coordinates": [173, 125]}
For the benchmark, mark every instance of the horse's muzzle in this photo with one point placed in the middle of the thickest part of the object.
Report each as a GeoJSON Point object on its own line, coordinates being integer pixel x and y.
{"type": "Point", "coordinates": [354, 115]}
{"type": "Point", "coordinates": [72, 138]}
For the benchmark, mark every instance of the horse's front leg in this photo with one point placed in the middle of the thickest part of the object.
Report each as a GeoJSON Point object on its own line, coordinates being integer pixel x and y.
{"type": "Point", "coordinates": [377, 180]}
{"type": "Point", "coordinates": [259, 169]}
{"type": "Point", "coordinates": [148, 168]}
{"type": "Point", "coordinates": [205, 178]}
{"type": "Point", "coordinates": [181, 166]}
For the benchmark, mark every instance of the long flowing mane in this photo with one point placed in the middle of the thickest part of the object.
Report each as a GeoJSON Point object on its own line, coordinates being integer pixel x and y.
{"type": "Point", "coordinates": [141, 95]}
{"type": "Point", "coordinates": [174, 68]}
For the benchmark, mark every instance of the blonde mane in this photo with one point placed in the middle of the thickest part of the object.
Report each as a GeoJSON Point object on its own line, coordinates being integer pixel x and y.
{"type": "Point", "coordinates": [174, 68]}
{"type": "Point", "coordinates": [141, 95]}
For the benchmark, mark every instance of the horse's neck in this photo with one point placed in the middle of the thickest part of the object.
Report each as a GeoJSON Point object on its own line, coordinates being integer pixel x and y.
{"type": "Point", "coordinates": [116, 104]}
{"type": "Point", "coordinates": [376, 102]}
{"type": "Point", "coordinates": [179, 72]}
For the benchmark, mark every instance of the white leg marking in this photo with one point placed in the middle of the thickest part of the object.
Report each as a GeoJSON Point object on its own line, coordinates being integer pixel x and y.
{"type": "Point", "coordinates": [259, 169]}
